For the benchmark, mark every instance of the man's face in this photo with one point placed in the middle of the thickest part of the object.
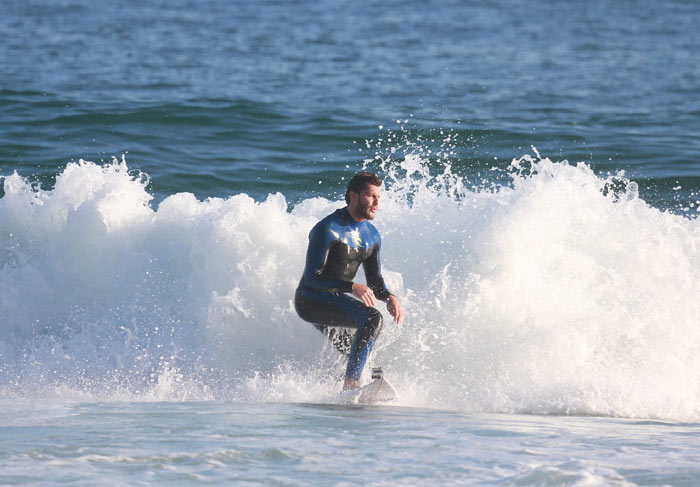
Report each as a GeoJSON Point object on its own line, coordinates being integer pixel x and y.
{"type": "Point", "coordinates": [367, 202]}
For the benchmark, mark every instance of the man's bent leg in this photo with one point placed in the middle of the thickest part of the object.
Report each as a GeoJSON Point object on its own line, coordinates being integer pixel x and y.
{"type": "Point", "coordinates": [331, 310]}
{"type": "Point", "coordinates": [328, 317]}
{"type": "Point", "coordinates": [363, 343]}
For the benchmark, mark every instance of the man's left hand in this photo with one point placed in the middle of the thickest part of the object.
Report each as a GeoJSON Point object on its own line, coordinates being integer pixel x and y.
{"type": "Point", "coordinates": [395, 309]}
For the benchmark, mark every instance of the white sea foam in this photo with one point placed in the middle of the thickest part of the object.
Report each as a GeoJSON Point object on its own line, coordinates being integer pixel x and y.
{"type": "Point", "coordinates": [562, 292]}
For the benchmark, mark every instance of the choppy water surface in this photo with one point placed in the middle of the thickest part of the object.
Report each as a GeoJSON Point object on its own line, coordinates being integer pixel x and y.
{"type": "Point", "coordinates": [314, 444]}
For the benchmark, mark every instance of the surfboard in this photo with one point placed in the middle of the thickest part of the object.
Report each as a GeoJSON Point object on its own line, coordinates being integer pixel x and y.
{"type": "Point", "coordinates": [376, 392]}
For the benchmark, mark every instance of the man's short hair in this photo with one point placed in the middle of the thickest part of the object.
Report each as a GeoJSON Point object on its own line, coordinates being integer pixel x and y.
{"type": "Point", "coordinates": [359, 181]}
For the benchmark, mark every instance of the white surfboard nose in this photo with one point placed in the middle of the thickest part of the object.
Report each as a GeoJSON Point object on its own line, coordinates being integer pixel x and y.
{"type": "Point", "coordinates": [377, 391]}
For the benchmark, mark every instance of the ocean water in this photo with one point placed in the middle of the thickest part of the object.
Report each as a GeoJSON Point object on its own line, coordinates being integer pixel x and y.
{"type": "Point", "coordinates": [161, 165]}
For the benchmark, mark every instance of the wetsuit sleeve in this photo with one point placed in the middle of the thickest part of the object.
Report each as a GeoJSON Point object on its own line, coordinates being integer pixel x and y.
{"type": "Point", "coordinates": [373, 274]}
{"type": "Point", "coordinates": [320, 240]}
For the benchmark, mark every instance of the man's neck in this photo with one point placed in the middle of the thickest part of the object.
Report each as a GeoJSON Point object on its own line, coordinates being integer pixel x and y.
{"type": "Point", "coordinates": [354, 215]}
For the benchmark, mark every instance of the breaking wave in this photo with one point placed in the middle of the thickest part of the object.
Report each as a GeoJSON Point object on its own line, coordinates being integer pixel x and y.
{"type": "Point", "coordinates": [559, 291]}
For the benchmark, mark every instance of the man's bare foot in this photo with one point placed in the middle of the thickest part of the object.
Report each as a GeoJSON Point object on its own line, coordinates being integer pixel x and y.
{"type": "Point", "coordinates": [350, 384]}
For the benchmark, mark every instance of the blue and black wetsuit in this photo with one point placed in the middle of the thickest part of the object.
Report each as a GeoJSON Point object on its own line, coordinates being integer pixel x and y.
{"type": "Point", "coordinates": [338, 244]}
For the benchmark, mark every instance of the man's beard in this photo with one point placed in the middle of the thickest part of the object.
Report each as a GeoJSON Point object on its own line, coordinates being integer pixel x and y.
{"type": "Point", "coordinates": [363, 211]}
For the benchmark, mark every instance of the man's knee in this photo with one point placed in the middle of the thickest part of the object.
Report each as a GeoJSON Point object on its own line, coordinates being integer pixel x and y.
{"type": "Point", "coordinates": [374, 323]}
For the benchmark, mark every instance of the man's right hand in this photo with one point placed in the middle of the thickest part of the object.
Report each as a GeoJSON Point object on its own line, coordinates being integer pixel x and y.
{"type": "Point", "coordinates": [364, 294]}
{"type": "Point", "coordinates": [395, 309]}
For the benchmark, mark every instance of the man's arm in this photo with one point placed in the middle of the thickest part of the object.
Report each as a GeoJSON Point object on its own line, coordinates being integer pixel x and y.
{"type": "Point", "coordinates": [373, 274]}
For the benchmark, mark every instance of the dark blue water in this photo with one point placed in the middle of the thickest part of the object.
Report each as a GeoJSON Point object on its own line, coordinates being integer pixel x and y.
{"type": "Point", "coordinates": [218, 97]}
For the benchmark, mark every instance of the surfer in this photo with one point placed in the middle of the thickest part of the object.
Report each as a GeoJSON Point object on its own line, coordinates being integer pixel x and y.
{"type": "Point", "coordinates": [338, 244]}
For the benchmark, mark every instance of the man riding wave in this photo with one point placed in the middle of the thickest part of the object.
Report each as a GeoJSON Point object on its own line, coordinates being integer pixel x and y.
{"type": "Point", "coordinates": [338, 244]}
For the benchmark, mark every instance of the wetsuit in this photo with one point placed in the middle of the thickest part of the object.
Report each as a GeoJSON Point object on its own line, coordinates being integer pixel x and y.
{"type": "Point", "coordinates": [338, 244]}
